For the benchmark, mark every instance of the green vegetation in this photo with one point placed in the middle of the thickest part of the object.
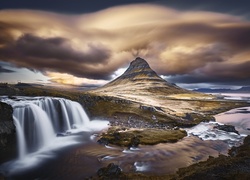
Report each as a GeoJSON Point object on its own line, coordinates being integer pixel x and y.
{"type": "Point", "coordinates": [234, 166]}
{"type": "Point", "coordinates": [134, 137]}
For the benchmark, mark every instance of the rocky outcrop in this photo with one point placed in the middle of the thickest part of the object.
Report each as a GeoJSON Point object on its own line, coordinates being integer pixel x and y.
{"type": "Point", "coordinates": [227, 128]}
{"type": "Point", "coordinates": [112, 171]}
{"type": "Point", "coordinates": [234, 166]}
{"type": "Point", "coordinates": [7, 133]}
{"type": "Point", "coordinates": [133, 137]}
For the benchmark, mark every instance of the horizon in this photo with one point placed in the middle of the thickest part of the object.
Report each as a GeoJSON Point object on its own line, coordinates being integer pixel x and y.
{"type": "Point", "coordinates": [192, 44]}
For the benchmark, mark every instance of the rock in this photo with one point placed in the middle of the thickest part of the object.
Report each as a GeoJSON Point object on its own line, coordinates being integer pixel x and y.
{"type": "Point", "coordinates": [176, 128]}
{"type": "Point", "coordinates": [135, 141]}
{"type": "Point", "coordinates": [7, 133]}
{"type": "Point", "coordinates": [234, 166]}
{"type": "Point", "coordinates": [147, 108]}
{"type": "Point", "coordinates": [188, 117]}
{"type": "Point", "coordinates": [110, 171]}
{"type": "Point", "coordinates": [227, 128]}
{"type": "Point", "coordinates": [103, 141]}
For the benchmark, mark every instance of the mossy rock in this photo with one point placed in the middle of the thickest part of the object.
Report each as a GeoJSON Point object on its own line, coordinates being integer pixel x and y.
{"type": "Point", "coordinates": [234, 166]}
{"type": "Point", "coordinates": [134, 137]}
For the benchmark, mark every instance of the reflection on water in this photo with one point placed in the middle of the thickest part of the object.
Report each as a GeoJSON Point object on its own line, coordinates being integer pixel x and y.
{"type": "Point", "coordinates": [84, 161]}
{"type": "Point", "coordinates": [166, 158]}
{"type": "Point", "coordinates": [239, 117]}
{"type": "Point", "coordinates": [86, 157]}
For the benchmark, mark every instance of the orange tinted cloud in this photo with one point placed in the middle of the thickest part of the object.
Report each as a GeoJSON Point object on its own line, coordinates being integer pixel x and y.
{"type": "Point", "coordinates": [95, 45]}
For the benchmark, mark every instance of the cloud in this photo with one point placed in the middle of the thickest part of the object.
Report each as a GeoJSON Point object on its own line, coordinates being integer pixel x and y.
{"type": "Point", "coordinates": [186, 46]}
{"type": "Point", "coordinates": [4, 70]}
{"type": "Point", "coordinates": [68, 79]}
{"type": "Point", "coordinates": [54, 53]}
{"type": "Point", "coordinates": [231, 74]}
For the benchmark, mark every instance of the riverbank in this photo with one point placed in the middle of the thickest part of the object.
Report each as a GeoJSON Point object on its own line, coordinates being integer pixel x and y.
{"type": "Point", "coordinates": [137, 119]}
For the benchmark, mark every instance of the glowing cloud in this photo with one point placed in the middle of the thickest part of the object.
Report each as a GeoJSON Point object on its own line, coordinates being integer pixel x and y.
{"type": "Point", "coordinates": [93, 46]}
{"type": "Point", "coordinates": [67, 79]}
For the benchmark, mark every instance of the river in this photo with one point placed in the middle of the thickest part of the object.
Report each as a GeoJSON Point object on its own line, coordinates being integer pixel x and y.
{"type": "Point", "coordinates": [65, 144]}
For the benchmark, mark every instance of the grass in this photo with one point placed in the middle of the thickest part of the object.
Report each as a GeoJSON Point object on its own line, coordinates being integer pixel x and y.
{"type": "Point", "coordinates": [133, 137]}
{"type": "Point", "coordinates": [234, 166]}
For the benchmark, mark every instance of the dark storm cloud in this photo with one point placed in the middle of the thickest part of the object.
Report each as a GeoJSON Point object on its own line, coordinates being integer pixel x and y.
{"type": "Point", "coordinates": [56, 48]}
{"type": "Point", "coordinates": [230, 74]}
{"type": "Point", "coordinates": [66, 6]}
{"type": "Point", "coordinates": [81, 6]}
{"type": "Point", "coordinates": [4, 70]}
{"type": "Point", "coordinates": [6, 30]}
{"type": "Point", "coordinates": [189, 46]}
{"type": "Point", "coordinates": [54, 53]}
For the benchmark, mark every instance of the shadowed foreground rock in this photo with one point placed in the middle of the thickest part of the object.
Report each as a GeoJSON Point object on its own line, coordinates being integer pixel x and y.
{"type": "Point", "coordinates": [111, 171]}
{"type": "Point", "coordinates": [234, 166]}
{"type": "Point", "coordinates": [227, 128]}
{"type": "Point", "coordinates": [7, 133]}
{"type": "Point", "coordinates": [133, 137]}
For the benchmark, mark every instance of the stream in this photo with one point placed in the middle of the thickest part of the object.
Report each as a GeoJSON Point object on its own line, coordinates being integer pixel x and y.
{"type": "Point", "coordinates": [56, 140]}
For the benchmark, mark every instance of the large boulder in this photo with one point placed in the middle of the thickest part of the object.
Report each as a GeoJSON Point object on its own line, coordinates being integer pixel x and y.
{"type": "Point", "coordinates": [7, 133]}
{"type": "Point", "coordinates": [227, 128]}
{"type": "Point", "coordinates": [111, 171]}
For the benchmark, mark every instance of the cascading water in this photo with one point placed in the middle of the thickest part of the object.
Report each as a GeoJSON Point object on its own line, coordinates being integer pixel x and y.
{"type": "Point", "coordinates": [38, 120]}
{"type": "Point", "coordinates": [44, 126]}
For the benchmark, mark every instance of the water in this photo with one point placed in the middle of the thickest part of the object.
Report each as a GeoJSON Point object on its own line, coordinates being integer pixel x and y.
{"type": "Point", "coordinates": [71, 151]}
{"type": "Point", "coordinates": [234, 96]}
{"type": "Point", "coordinates": [238, 117]}
{"type": "Point", "coordinates": [44, 125]}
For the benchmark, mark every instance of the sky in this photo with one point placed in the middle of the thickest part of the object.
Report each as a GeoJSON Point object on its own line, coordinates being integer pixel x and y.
{"type": "Point", "coordinates": [191, 43]}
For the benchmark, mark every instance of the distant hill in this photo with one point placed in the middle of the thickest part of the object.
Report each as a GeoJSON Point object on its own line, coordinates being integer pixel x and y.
{"type": "Point", "coordinates": [23, 85]}
{"type": "Point", "coordinates": [245, 89]}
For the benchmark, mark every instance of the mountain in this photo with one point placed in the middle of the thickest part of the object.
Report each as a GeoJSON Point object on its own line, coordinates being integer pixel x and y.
{"type": "Point", "coordinates": [139, 78]}
{"type": "Point", "coordinates": [244, 89]}
{"type": "Point", "coordinates": [208, 90]}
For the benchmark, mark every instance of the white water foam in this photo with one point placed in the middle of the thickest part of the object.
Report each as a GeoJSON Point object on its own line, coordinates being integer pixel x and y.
{"type": "Point", "coordinates": [206, 131]}
{"type": "Point", "coordinates": [44, 125]}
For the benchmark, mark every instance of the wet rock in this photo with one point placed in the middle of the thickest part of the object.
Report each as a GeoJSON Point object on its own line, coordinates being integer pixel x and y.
{"type": "Point", "coordinates": [147, 108]}
{"type": "Point", "coordinates": [110, 171]}
{"type": "Point", "coordinates": [7, 133]}
{"type": "Point", "coordinates": [61, 134]}
{"type": "Point", "coordinates": [188, 117]}
{"type": "Point", "coordinates": [135, 141]}
{"type": "Point", "coordinates": [227, 128]}
{"type": "Point", "coordinates": [103, 141]}
{"type": "Point", "coordinates": [176, 128]}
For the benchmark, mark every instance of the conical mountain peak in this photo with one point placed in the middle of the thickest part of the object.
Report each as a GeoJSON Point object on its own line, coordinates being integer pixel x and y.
{"type": "Point", "coordinates": [139, 68]}
{"type": "Point", "coordinates": [142, 79]}
{"type": "Point", "coordinates": [139, 63]}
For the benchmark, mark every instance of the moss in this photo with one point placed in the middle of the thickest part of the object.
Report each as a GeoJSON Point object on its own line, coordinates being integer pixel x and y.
{"type": "Point", "coordinates": [234, 166]}
{"type": "Point", "coordinates": [133, 137]}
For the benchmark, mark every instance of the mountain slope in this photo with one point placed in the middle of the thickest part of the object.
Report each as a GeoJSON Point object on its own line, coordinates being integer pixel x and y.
{"type": "Point", "coordinates": [140, 94]}
{"type": "Point", "coordinates": [139, 78]}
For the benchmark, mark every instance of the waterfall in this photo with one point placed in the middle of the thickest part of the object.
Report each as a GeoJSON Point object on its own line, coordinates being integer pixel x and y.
{"type": "Point", "coordinates": [39, 120]}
